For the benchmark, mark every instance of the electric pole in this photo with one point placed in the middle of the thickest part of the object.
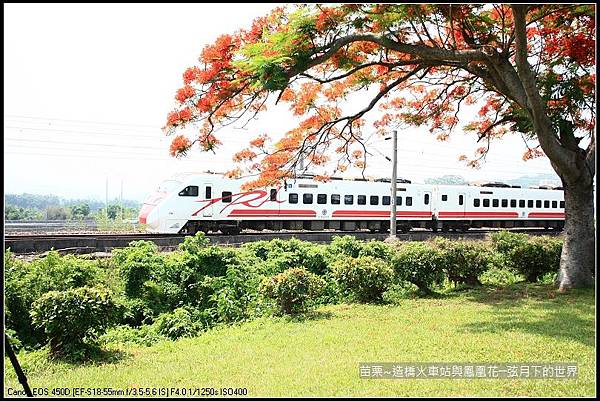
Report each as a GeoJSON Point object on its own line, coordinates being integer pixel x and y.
{"type": "Point", "coordinates": [394, 190]}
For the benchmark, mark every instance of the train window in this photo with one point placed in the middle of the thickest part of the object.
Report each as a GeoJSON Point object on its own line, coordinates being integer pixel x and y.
{"type": "Point", "coordinates": [426, 199]}
{"type": "Point", "coordinates": [398, 201]}
{"type": "Point", "coordinates": [562, 204]}
{"type": "Point", "coordinates": [293, 198]}
{"type": "Point", "coordinates": [321, 199]}
{"type": "Point", "coordinates": [547, 204]}
{"type": "Point", "coordinates": [554, 204]}
{"type": "Point", "coordinates": [226, 197]}
{"type": "Point", "coordinates": [530, 203]}
{"type": "Point", "coordinates": [504, 202]}
{"type": "Point", "coordinates": [307, 199]}
{"type": "Point", "coordinates": [386, 200]}
{"type": "Point", "coordinates": [521, 202]}
{"type": "Point", "coordinates": [273, 196]}
{"type": "Point", "coordinates": [461, 199]}
{"type": "Point", "coordinates": [361, 199]}
{"type": "Point", "coordinates": [191, 190]}
{"type": "Point", "coordinates": [208, 193]}
{"type": "Point", "coordinates": [538, 204]}
{"type": "Point", "coordinates": [476, 202]}
{"type": "Point", "coordinates": [495, 202]}
{"type": "Point", "coordinates": [486, 203]}
{"type": "Point", "coordinates": [335, 199]}
{"type": "Point", "coordinates": [513, 203]}
{"type": "Point", "coordinates": [444, 198]}
{"type": "Point", "coordinates": [409, 201]}
{"type": "Point", "coordinates": [348, 199]}
{"type": "Point", "coordinates": [374, 200]}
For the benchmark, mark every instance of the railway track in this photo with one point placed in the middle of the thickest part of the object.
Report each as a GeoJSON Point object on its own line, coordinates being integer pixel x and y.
{"type": "Point", "coordinates": [97, 242]}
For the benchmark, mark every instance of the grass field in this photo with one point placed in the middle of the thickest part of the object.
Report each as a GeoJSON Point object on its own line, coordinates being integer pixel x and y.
{"type": "Point", "coordinates": [319, 355]}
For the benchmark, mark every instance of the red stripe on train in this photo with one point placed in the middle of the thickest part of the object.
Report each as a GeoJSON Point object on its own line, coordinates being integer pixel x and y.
{"type": "Point", "coordinates": [547, 215]}
{"type": "Point", "coordinates": [377, 213]}
{"type": "Point", "coordinates": [272, 212]}
{"type": "Point", "coordinates": [480, 214]}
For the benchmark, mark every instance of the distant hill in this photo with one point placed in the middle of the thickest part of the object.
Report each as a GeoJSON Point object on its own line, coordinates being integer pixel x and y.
{"type": "Point", "coordinates": [535, 180]}
{"type": "Point", "coordinates": [446, 180]}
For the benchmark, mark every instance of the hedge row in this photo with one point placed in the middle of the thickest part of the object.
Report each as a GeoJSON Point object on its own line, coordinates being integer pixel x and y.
{"type": "Point", "coordinates": [68, 302]}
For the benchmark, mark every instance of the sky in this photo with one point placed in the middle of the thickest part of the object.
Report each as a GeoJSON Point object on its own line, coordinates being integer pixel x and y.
{"type": "Point", "coordinates": [87, 89]}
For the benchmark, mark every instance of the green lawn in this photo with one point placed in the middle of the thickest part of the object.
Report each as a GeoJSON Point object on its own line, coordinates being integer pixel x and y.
{"type": "Point", "coordinates": [319, 355]}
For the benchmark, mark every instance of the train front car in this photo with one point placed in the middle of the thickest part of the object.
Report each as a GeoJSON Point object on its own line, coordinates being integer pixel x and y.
{"type": "Point", "coordinates": [155, 208]}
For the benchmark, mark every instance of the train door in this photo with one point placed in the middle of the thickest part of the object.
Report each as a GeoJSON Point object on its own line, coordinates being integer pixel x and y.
{"type": "Point", "coordinates": [207, 193]}
{"type": "Point", "coordinates": [427, 201]}
{"type": "Point", "coordinates": [462, 203]}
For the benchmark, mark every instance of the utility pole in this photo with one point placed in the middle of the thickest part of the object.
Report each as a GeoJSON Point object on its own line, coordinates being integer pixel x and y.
{"type": "Point", "coordinates": [393, 189]}
{"type": "Point", "coordinates": [106, 199]}
{"type": "Point", "coordinates": [121, 201]}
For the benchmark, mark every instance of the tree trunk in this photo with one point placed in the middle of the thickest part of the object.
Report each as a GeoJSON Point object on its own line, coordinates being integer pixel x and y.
{"type": "Point", "coordinates": [577, 261]}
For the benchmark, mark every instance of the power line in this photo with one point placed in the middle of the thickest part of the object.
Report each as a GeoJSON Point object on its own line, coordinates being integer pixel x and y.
{"type": "Point", "coordinates": [86, 143]}
{"type": "Point", "coordinates": [79, 121]}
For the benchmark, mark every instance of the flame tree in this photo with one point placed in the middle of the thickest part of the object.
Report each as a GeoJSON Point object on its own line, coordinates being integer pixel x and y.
{"type": "Point", "coordinates": [527, 69]}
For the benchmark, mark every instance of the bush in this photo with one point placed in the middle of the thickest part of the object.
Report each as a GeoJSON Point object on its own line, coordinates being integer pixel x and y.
{"type": "Point", "coordinates": [505, 241]}
{"type": "Point", "coordinates": [235, 295]}
{"type": "Point", "coordinates": [366, 277]}
{"type": "Point", "coordinates": [420, 263]}
{"type": "Point", "coordinates": [292, 290]}
{"type": "Point", "coordinates": [345, 246]}
{"type": "Point", "coordinates": [499, 277]}
{"type": "Point", "coordinates": [73, 319]}
{"type": "Point", "coordinates": [137, 264]}
{"type": "Point", "coordinates": [376, 249]}
{"type": "Point", "coordinates": [25, 282]}
{"type": "Point", "coordinates": [182, 322]}
{"type": "Point", "coordinates": [211, 260]}
{"type": "Point", "coordinates": [279, 255]}
{"type": "Point", "coordinates": [537, 256]}
{"type": "Point", "coordinates": [193, 244]}
{"type": "Point", "coordinates": [467, 260]}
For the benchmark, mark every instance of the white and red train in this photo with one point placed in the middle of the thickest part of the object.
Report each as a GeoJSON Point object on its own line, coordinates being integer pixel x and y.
{"type": "Point", "coordinates": [193, 202]}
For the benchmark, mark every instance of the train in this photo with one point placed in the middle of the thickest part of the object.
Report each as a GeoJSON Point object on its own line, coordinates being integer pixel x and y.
{"type": "Point", "coordinates": [209, 202]}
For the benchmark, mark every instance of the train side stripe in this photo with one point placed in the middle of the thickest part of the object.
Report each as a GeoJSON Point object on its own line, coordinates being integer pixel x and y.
{"type": "Point", "coordinates": [271, 213]}
{"type": "Point", "coordinates": [378, 213]}
{"type": "Point", "coordinates": [547, 215]}
{"type": "Point", "coordinates": [480, 214]}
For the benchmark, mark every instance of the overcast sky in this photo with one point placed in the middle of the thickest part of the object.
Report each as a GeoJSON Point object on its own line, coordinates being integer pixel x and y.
{"type": "Point", "coordinates": [88, 87]}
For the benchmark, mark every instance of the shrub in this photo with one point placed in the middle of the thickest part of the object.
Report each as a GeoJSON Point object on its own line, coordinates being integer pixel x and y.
{"type": "Point", "coordinates": [505, 242]}
{"type": "Point", "coordinates": [499, 277]}
{"type": "Point", "coordinates": [537, 256]}
{"type": "Point", "coordinates": [467, 260]}
{"type": "Point", "coordinates": [292, 290]}
{"type": "Point", "coordinates": [137, 264]}
{"type": "Point", "coordinates": [72, 319]}
{"type": "Point", "coordinates": [235, 295]}
{"type": "Point", "coordinates": [182, 322]}
{"type": "Point", "coordinates": [279, 255]}
{"type": "Point", "coordinates": [345, 246]}
{"type": "Point", "coordinates": [25, 282]}
{"type": "Point", "coordinates": [366, 277]}
{"type": "Point", "coordinates": [211, 260]}
{"type": "Point", "coordinates": [420, 263]}
{"type": "Point", "coordinates": [315, 259]}
{"type": "Point", "coordinates": [193, 244]}
{"type": "Point", "coordinates": [376, 249]}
